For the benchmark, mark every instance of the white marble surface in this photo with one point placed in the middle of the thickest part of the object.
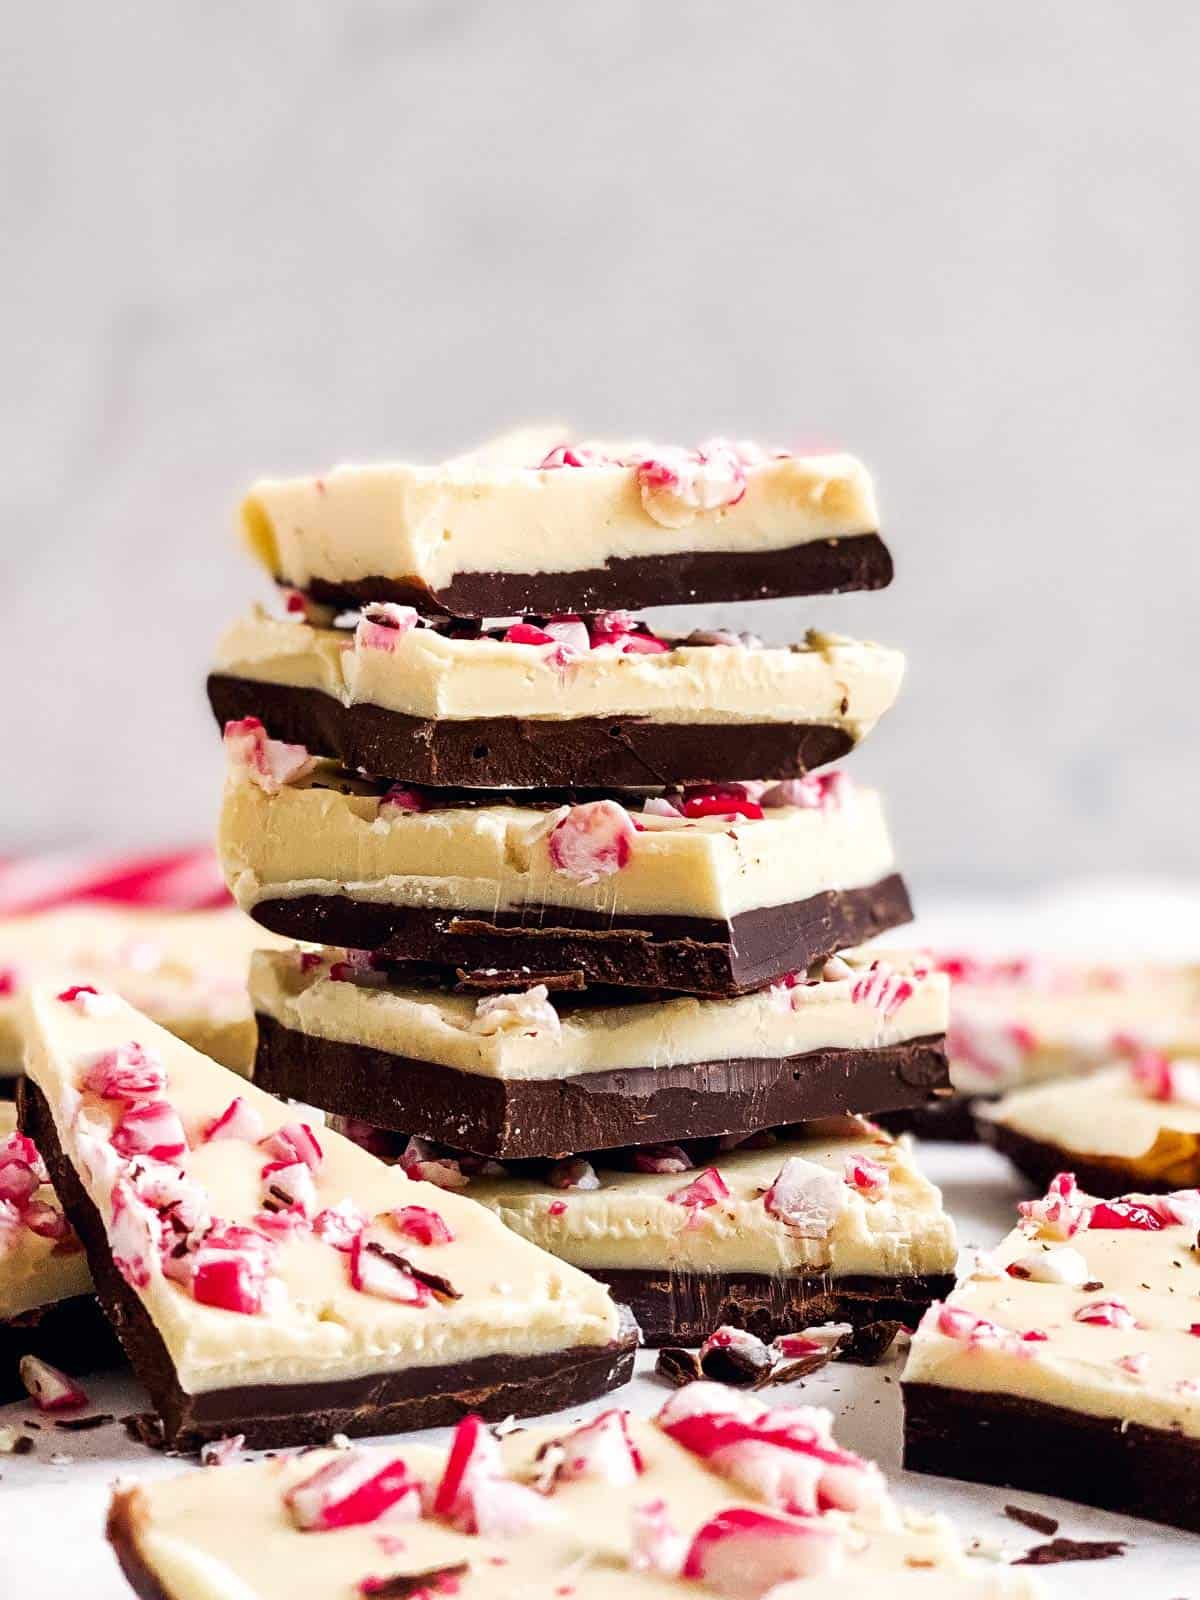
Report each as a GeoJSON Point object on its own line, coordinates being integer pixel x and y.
{"type": "Point", "coordinates": [249, 237]}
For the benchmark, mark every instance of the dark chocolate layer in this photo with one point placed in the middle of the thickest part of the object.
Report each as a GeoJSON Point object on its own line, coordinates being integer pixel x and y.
{"type": "Point", "coordinates": [1026, 1444]}
{"type": "Point", "coordinates": [1040, 1162]}
{"type": "Point", "coordinates": [309, 1413]}
{"type": "Point", "coordinates": [631, 583]}
{"type": "Point", "coordinates": [518, 1118]}
{"type": "Point", "coordinates": [685, 1307]}
{"type": "Point", "coordinates": [72, 1334]}
{"type": "Point", "coordinates": [692, 955]}
{"type": "Point", "coordinates": [516, 752]}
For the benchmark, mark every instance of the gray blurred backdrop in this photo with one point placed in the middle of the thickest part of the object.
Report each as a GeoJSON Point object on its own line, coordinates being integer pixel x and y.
{"type": "Point", "coordinates": [960, 239]}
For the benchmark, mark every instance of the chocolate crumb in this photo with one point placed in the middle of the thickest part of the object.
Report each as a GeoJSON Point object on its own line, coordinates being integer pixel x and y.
{"type": "Point", "coordinates": [21, 1446]}
{"type": "Point", "coordinates": [1033, 1519]}
{"type": "Point", "coordinates": [83, 1424]}
{"type": "Point", "coordinates": [743, 1363]}
{"type": "Point", "coordinates": [793, 1371]}
{"type": "Point", "coordinates": [677, 1366]}
{"type": "Point", "coordinates": [1092, 1285]}
{"type": "Point", "coordinates": [1049, 1555]}
{"type": "Point", "coordinates": [871, 1343]}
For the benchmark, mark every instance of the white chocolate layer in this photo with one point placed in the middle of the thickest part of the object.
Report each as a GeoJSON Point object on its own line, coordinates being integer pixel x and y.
{"type": "Point", "coordinates": [429, 1025]}
{"type": "Point", "coordinates": [1156, 1275]}
{"type": "Point", "coordinates": [829, 680]}
{"type": "Point", "coordinates": [184, 969]}
{"type": "Point", "coordinates": [314, 838]}
{"type": "Point", "coordinates": [34, 1271]}
{"type": "Point", "coordinates": [515, 1299]}
{"type": "Point", "coordinates": [1028, 1021]}
{"type": "Point", "coordinates": [495, 511]}
{"type": "Point", "coordinates": [629, 1222]}
{"type": "Point", "coordinates": [223, 1534]}
{"type": "Point", "coordinates": [1107, 1117]}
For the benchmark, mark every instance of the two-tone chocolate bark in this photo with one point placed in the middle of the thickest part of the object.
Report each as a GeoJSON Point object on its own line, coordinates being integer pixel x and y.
{"type": "Point", "coordinates": [546, 1072]}
{"type": "Point", "coordinates": [1068, 1361]}
{"type": "Point", "coordinates": [536, 522]}
{"type": "Point", "coordinates": [1021, 1021]}
{"type": "Point", "coordinates": [184, 969]}
{"type": "Point", "coordinates": [771, 1232]}
{"type": "Point", "coordinates": [271, 1278]}
{"type": "Point", "coordinates": [47, 1308]}
{"type": "Point", "coordinates": [1133, 1125]}
{"type": "Point", "coordinates": [569, 700]}
{"type": "Point", "coordinates": [719, 1494]}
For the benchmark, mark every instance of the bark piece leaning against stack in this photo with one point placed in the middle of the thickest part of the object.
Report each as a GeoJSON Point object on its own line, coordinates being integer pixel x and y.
{"type": "Point", "coordinates": [270, 1280]}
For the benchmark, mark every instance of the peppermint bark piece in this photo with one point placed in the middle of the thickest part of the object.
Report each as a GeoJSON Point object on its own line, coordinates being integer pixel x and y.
{"type": "Point", "coordinates": [184, 969]}
{"type": "Point", "coordinates": [771, 1232]}
{"type": "Point", "coordinates": [1068, 1361]}
{"type": "Point", "coordinates": [47, 1308]}
{"type": "Point", "coordinates": [617, 1505]}
{"type": "Point", "coordinates": [536, 1073]}
{"type": "Point", "coordinates": [714, 891]}
{"type": "Point", "coordinates": [1135, 1125]}
{"type": "Point", "coordinates": [1025, 1020]}
{"type": "Point", "coordinates": [265, 1276]}
{"type": "Point", "coordinates": [568, 700]}
{"type": "Point", "coordinates": [534, 523]}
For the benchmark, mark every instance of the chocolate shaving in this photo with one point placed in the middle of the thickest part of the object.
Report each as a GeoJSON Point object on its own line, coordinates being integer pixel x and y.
{"type": "Point", "coordinates": [870, 1343]}
{"type": "Point", "coordinates": [84, 1424]}
{"type": "Point", "coordinates": [403, 1584]}
{"type": "Point", "coordinates": [1049, 1555]}
{"type": "Point", "coordinates": [440, 1286]}
{"type": "Point", "coordinates": [1033, 1519]}
{"type": "Point", "coordinates": [516, 978]}
{"type": "Point", "coordinates": [22, 1445]}
{"type": "Point", "coordinates": [1092, 1285]}
{"type": "Point", "coordinates": [793, 1371]}
{"type": "Point", "coordinates": [677, 1366]}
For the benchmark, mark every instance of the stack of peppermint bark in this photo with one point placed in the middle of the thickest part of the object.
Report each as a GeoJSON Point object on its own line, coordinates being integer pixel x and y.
{"type": "Point", "coordinates": [590, 914]}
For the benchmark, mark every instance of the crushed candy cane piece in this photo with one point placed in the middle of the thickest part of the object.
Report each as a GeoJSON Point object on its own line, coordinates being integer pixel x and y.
{"type": "Point", "coordinates": [709, 1189]}
{"type": "Point", "coordinates": [1111, 1312]}
{"type": "Point", "coordinates": [1129, 1214]}
{"type": "Point", "coordinates": [382, 625]}
{"type": "Point", "coordinates": [422, 1225]}
{"type": "Point", "coordinates": [883, 988]}
{"type": "Point", "coordinates": [1061, 1212]}
{"type": "Point", "coordinates": [134, 1235]}
{"type": "Point", "coordinates": [130, 1072]}
{"type": "Point", "coordinates": [340, 1225]}
{"type": "Point", "coordinates": [744, 1553]}
{"type": "Point", "coordinates": [806, 1197]}
{"type": "Point", "coordinates": [868, 1176]}
{"type": "Point", "coordinates": [424, 1163]}
{"type": "Point", "coordinates": [295, 1141]}
{"type": "Point", "coordinates": [354, 1489]}
{"type": "Point", "coordinates": [591, 841]}
{"type": "Point", "coordinates": [48, 1388]}
{"type": "Point", "coordinates": [660, 1158]}
{"type": "Point", "coordinates": [239, 1120]}
{"type": "Point", "coordinates": [601, 1449]}
{"type": "Point", "coordinates": [222, 1452]}
{"type": "Point", "coordinates": [475, 1496]}
{"type": "Point", "coordinates": [269, 763]}
{"type": "Point", "coordinates": [575, 1173]}
{"type": "Point", "coordinates": [655, 1544]}
{"type": "Point", "coordinates": [150, 1128]}
{"type": "Point", "coordinates": [528, 1012]}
